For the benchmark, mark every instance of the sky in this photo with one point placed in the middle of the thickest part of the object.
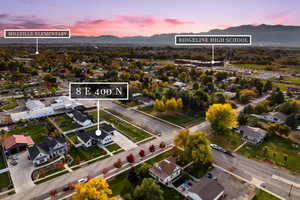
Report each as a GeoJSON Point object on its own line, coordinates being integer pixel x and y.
{"type": "Point", "coordinates": [144, 17]}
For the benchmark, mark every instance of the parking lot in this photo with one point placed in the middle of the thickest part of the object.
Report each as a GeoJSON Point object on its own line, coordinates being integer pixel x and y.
{"type": "Point", "coordinates": [234, 188]}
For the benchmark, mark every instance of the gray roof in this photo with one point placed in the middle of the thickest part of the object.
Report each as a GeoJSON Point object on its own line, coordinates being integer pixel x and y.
{"type": "Point", "coordinates": [252, 131]}
{"type": "Point", "coordinates": [278, 115]}
{"type": "Point", "coordinates": [207, 189]}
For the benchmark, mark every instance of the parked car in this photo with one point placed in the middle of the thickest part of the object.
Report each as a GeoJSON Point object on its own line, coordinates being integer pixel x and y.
{"type": "Point", "coordinates": [82, 180]}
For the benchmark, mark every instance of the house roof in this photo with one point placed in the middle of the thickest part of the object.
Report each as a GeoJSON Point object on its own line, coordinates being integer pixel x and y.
{"type": "Point", "coordinates": [79, 116]}
{"type": "Point", "coordinates": [33, 152]}
{"type": "Point", "coordinates": [50, 143]}
{"type": "Point", "coordinates": [278, 115]}
{"type": "Point", "coordinates": [164, 168]}
{"type": "Point", "coordinates": [207, 189]}
{"type": "Point", "coordinates": [17, 139]}
{"type": "Point", "coordinates": [253, 131]}
{"type": "Point", "coordinates": [107, 128]}
{"type": "Point", "coordinates": [83, 136]}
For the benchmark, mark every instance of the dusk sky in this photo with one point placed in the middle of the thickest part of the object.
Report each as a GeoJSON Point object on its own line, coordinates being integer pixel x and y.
{"type": "Point", "coordinates": [145, 17]}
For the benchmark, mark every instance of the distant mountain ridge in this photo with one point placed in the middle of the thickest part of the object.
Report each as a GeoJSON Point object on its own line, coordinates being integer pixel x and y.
{"type": "Point", "coordinates": [262, 35]}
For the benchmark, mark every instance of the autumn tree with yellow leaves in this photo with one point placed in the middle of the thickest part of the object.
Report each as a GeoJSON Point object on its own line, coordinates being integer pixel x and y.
{"type": "Point", "coordinates": [221, 117]}
{"type": "Point", "coordinates": [94, 189]}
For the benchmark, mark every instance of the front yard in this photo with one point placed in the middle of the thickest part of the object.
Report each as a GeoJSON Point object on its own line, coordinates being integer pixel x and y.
{"type": "Point", "coordinates": [132, 132]}
{"type": "Point", "coordinates": [65, 122]}
{"type": "Point", "coordinates": [5, 182]}
{"type": "Point", "coordinates": [277, 150]}
{"type": "Point", "coordinates": [85, 154]}
{"type": "Point", "coordinates": [3, 165]}
{"type": "Point", "coordinates": [261, 195]}
{"type": "Point", "coordinates": [228, 141]}
{"type": "Point", "coordinates": [113, 147]}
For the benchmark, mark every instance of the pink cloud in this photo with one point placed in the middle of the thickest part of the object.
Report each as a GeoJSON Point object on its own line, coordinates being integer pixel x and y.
{"type": "Point", "coordinates": [117, 25]}
{"type": "Point", "coordinates": [283, 17]}
{"type": "Point", "coordinates": [177, 21]}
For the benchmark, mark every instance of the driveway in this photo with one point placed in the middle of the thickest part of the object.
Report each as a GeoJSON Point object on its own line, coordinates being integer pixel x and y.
{"type": "Point", "coordinates": [21, 173]}
{"type": "Point", "coordinates": [123, 141]}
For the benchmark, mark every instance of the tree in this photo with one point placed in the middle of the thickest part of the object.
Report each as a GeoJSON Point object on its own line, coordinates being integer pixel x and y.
{"type": "Point", "coordinates": [152, 148]}
{"type": "Point", "coordinates": [179, 104]}
{"type": "Point", "coordinates": [277, 97]}
{"type": "Point", "coordinates": [181, 138]}
{"type": "Point", "coordinates": [162, 145]}
{"type": "Point", "coordinates": [96, 189]}
{"type": "Point", "coordinates": [242, 119]}
{"type": "Point", "coordinates": [142, 153]}
{"type": "Point", "coordinates": [159, 105]}
{"type": "Point", "coordinates": [77, 160]}
{"type": "Point", "coordinates": [267, 86]}
{"type": "Point", "coordinates": [53, 193]}
{"type": "Point", "coordinates": [277, 128]}
{"type": "Point", "coordinates": [143, 170]}
{"type": "Point", "coordinates": [148, 190]}
{"type": "Point", "coordinates": [197, 148]}
{"type": "Point", "coordinates": [221, 117]}
{"type": "Point", "coordinates": [130, 158]}
{"type": "Point", "coordinates": [171, 104]}
{"type": "Point", "coordinates": [118, 164]}
{"type": "Point", "coordinates": [246, 95]}
{"type": "Point", "coordinates": [132, 176]}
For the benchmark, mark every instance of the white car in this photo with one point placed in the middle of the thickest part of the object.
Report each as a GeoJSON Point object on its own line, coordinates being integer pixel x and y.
{"type": "Point", "coordinates": [82, 180]}
{"type": "Point", "coordinates": [216, 147]}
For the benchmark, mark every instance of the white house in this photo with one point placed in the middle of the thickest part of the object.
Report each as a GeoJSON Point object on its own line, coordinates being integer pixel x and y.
{"type": "Point", "coordinates": [274, 117]}
{"type": "Point", "coordinates": [165, 171]}
{"type": "Point", "coordinates": [34, 105]}
{"type": "Point", "coordinates": [252, 135]}
{"type": "Point", "coordinates": [80, 118]}
{"type": "Point", "coordinates": [90, 138]}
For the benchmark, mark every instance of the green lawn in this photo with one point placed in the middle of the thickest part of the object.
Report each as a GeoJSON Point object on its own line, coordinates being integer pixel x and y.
{"type": "Point", "coordinates": [197, 171]}
{"type": "Point", "coordinates": [113, 147]}
{"type": "Point", "coordinates": [86, 154]}
{"type": "Point", "coordinates": [281, 147]}
{"type": "Point", "coordinates": [228, 141]}
{"type": "Point", "coordinates": [180, 119]}
{"type": "Point", "coordinates": [2, 160]}
{"type": "Point", "coordinates": [36, 131]}
{"type": "Point", "coordinates": [51, 177]}
{"type": "Point", "coordinates": [8, 106]}
{"type": "Point", "coordinates": [262, 195]}
{"type": "Point", "coordinates": [132, 132]}
{"type": "Point", "coordinates": [5, 181]}
{"type": "Point", "coordinates": [65, 122]}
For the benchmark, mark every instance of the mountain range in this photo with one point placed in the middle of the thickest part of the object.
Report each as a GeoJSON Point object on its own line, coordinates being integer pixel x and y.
{"type": "Point", "coordinates": [262, 35]}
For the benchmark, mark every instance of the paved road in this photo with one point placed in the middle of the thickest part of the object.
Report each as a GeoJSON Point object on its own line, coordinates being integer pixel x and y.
{"type": "Point", "coordinates": [259, 173]}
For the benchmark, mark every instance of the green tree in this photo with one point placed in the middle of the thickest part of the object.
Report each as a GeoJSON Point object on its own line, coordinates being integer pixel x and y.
{"type": "Point", "coordinates": [148, 190]}
{"type": "Point", "coordinates": [197, 148]}
{"type": "Point", "coordinates": [180, 138]}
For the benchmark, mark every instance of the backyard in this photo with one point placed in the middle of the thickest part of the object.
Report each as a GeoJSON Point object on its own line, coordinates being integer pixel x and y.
{"type": "Point", "coordinates": [36, 131]}
{"type": "Point", "coordinates": [65, 122]}
{"type": "Point", "coordinates": [277, 150]}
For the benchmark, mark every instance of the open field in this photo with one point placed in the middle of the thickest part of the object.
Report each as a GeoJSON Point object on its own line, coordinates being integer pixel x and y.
{"type": "Point", "coordinates": [278, 149]}
{"type": "Point", "coordinates": [180, 119]}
